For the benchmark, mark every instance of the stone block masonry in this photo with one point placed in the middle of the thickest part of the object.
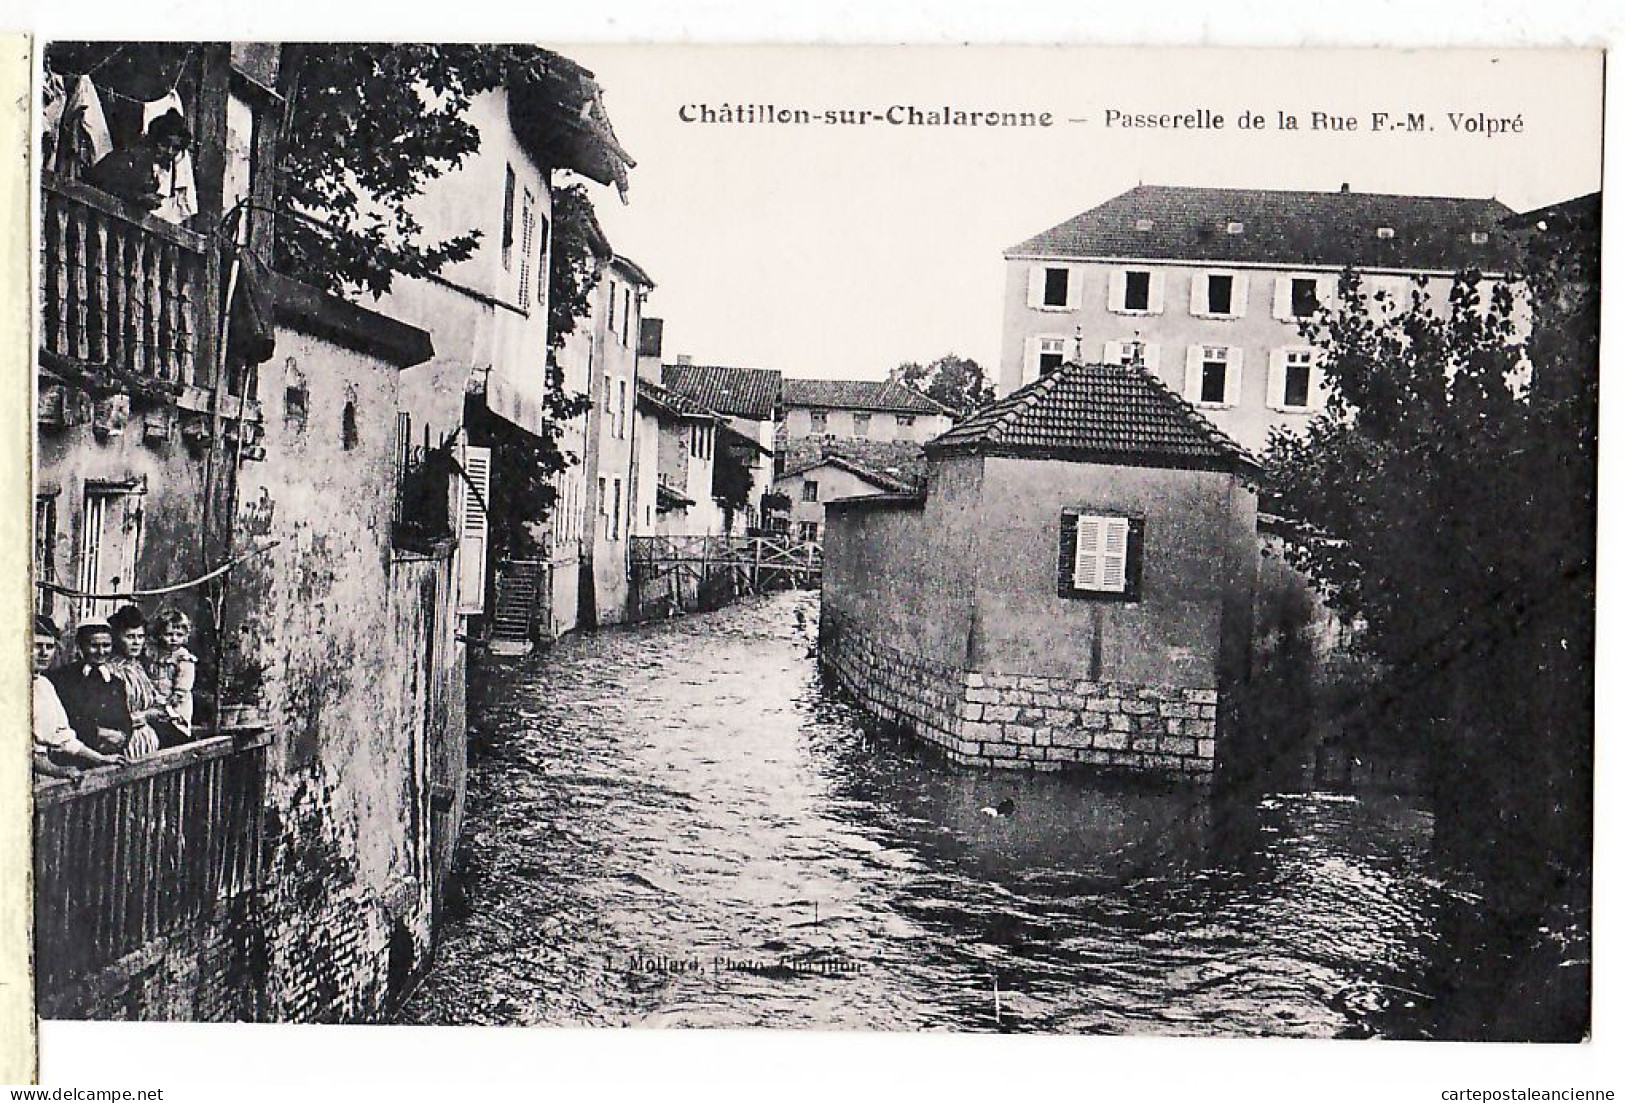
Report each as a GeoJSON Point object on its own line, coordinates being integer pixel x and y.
{"type": "Point", "coordinates": [1005, 720]}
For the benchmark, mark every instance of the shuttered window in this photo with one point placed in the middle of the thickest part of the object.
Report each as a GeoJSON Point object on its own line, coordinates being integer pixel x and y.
{"type": "Point", "coordinates": [527, 241]}
{"type": "Point", "coordinates": [1100, 556]}
{"type": "Point", "coordinates": [474, 535]}
{"type": "Point", "coordinates": [109, 541]}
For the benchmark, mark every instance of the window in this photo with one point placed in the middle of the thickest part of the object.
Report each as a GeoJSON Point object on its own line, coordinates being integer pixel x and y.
{"type": "Point", "coordinates": [905, 421]}
{"type": "Point", "coordinates": [1305, 297]}
{"type": "Point", "coordinates": [1100, 556]}
{"type": "Point", "coordinates": [620, 410]}
{"type": "Point", "coordinates": [1234, 227]}
{"type": "Point", "coordinates": [819, 420]}
{"type": "Point", "coordinates": [1212, 375]}
{"type": "Point", "coordinates": [1051, 354]}
{"type": "Point", "coordinates": [809, 490]}
{"type": "Point", "coordinates": [44, 551]}
{"type": "Point", "coordinates": [603, 496]}
{"type": "Point", "coordinates": [612, 290]}
{"type": "Point", "coordinates": [860, 425]}
{"type": "Point", "coordinates": [109, 539]}
{"type": "Point", "coordinates": [609, 403]}
{"type": "Point", "coordinates": [1293, 383]}
{"type": "Point", "coordinates": [1135, 291]}
{"type": "Point", "coordinates": [475, 531]}
{"type": "Point", "coordinates": [1055, 286]}
{"type": "Point", "coordinates": [1385, 233]}
{"type": "Point", "coordinates": [1219, 289]}
{"type": "Point", "coordinates": [626, 315]}
{"type": "Point", "coordinates": [1052, 287]}
{"type": "Point", "coordinates": [1130, 352]}
{"type": "Point", "coordinates": [809, 530]}
{"type": "Point", "coordinates": [507, 218]}
{"type": "Point", "coordinates": [1218, 295]}
{"type": "Point", "coordinates": [1479, 237]}
{"type": "Point", "coordinates": [527, 241]}
{"type": "Point", "coordinates": [615, 511]}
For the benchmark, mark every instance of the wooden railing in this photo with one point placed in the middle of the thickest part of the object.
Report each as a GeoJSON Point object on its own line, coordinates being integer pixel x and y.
{"type": "Point", "coordinates": [127, 855]}
{"type": "Point", "coordinates": [122, 290]}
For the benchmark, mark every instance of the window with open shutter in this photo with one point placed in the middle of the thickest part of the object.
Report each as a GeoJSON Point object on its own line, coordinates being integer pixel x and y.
{"type": "Point", "coordinates": [1100, 556]}
{"type": "Point", "coordinates": [475, 535]}
{"type": "Point", "coordinates": [109, 541]}
{"type": "Point", "coordinates": [527, 241]}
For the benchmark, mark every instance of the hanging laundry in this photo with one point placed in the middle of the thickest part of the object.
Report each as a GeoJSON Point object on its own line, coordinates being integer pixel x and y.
{"type": "Point", "coordinates": [177, 185]}
{"type": "Point", "coordinates": [82, 135]}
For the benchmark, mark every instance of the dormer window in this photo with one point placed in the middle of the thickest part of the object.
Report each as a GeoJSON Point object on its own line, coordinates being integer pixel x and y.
{"type": "Point", "coordinates": [1479, 237]}
{"type": "Point", "coordinates": [1385, 233]}
{"type": "Point", "coordinates": [1233, 227]}
{"type": "Point", "coordinates": [1143, 225]}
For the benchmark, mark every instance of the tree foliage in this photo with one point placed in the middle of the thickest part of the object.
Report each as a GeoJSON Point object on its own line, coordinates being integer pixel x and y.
{"type": "Point", "coordinates": [1446, 498]}
{"type": "Point", "coordinates": [955, 381]}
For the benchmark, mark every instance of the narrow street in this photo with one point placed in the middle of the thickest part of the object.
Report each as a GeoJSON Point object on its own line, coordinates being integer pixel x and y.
{"type": "Point", "coordinates": [678, 824]}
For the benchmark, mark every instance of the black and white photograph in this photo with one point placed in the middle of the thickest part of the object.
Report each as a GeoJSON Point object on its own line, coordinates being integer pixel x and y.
{"type": "Point", "coordinates": [971, 539]}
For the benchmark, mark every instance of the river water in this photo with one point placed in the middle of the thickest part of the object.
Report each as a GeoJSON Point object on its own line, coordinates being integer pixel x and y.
{"type": "Point", "coordinates": [682, 824]}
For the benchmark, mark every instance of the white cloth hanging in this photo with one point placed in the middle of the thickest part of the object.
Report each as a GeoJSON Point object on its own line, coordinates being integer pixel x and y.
{"type": "Point", "coordinates": [177, 185]}
{"type": "Point", "coordinates": [82, 134]}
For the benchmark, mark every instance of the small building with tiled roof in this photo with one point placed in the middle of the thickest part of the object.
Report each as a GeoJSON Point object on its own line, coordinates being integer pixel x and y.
{"type": "Point", "coordinates": [1208, 286]}
{"type": "Point", "coordinates": [1073, 588]}
{"type": "Point", "coordinates": [821, 478]}
{"type": "Point", "coordinates": [750, 393]}
{"type": "Point", "coordinates": [861, 409]}
{"type": "Point", "coordinates": [676, 464]}
{"type": "Point", "coordinates": [748, 400]}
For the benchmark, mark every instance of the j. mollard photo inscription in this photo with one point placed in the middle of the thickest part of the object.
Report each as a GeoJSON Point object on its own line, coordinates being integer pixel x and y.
{"type": "Point", "coordinates": [505, 553]}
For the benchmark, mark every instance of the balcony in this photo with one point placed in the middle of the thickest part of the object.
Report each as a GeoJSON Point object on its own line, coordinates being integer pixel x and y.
{"type": "Point", "coordinates": [129, 855]}
{"type": "Point", "coordinates": [124, 292]}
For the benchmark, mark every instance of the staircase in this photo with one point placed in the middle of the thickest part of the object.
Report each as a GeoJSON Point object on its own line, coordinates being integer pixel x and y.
{"type": "Point", "coordinates": [519, 587]}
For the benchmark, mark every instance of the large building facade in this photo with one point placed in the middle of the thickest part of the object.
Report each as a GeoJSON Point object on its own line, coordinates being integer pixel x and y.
{"type": "Point", "coordinates": [1207, 287]}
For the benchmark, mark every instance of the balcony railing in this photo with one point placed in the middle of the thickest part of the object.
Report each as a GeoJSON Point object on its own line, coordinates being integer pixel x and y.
{"type": "Point", "coordinates": [123, 291]}
{"type": "Point", "coordinates": [125, 856]}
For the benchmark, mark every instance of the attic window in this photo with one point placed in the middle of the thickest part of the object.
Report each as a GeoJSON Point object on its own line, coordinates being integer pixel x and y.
{"type": "Point", "coordinates": [1143, 224]}
{"type": "Point", "coordinates": [1233, 228]}
{"type": "Point", "coordinates": [1480, 237]}
{"type": "Point", "coordinates": [1385, 232]}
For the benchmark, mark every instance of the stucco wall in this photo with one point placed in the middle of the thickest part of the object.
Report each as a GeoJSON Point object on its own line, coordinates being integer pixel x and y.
{"type": "Point", "coordinates": [1256, 332]}
{"type": "Point", "coordinates": [883, 425]}
{"type": "Point", "coordinates": [1170, 636]}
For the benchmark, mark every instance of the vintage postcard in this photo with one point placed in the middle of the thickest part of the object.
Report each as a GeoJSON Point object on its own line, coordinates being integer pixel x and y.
{"type": "Point", "coordinates": [1032, 540]}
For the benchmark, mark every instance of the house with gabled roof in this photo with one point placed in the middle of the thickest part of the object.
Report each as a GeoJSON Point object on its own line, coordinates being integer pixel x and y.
{"type": "Point", "coordinates": [861, 409]}
{"type": "Point", "coordinates": [749, 401]}
{"type": "Point", "coordinates": [1073, 588]}
{"type": "Point", "coordinates": [1207, 287]}
{"type": "Point", "coordinates": [827, 477]}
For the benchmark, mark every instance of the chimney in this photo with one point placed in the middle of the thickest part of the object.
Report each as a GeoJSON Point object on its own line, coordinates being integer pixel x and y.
{"type": "Point", "coordinates": [1345, 188]}
{"type": "Point", "coordinates": [684, 358]}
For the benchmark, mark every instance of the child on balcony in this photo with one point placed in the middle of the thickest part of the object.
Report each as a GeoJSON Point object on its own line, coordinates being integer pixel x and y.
{"type": "Point", "coordinates": [173, 668]}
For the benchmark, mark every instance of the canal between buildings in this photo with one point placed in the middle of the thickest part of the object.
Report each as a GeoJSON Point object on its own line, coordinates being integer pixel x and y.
{"type": "Point", "coordinates": [683, 824]}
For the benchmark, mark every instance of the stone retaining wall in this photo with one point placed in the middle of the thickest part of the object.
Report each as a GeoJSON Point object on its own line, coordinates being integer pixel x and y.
{"type": "Point", "coordinates": [1020, 721]}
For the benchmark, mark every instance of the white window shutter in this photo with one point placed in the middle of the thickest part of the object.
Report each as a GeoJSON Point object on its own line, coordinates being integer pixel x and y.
{"type": "Point", "coordinates": [1317, 388]}
{"type": "Point", "coordinates": [1074, 288]}
{"type": "Point", "coordinates": [1275, 397]}
{"type": "Point", "coordinates": [1087, 562]}
{"type": "Point", "coordinates": [1193, 373]}
{"type": "Point", "coordinates": [1035, 285]}
{"type": "Point", "coordinates": [1029, 361]}
{"type": "Point", "coordinates": [1152, 357]}
{"type": "Point", "coordinates": [1156, 291]}
{"type": "Point", "coordinates": [1113, 353]}
{"type": "Point", "coordinates": [1116, 289]}
{"type": "Point", "coordinates": [1232, 377]}
{"type": "Point", "coordinates": [1283, 298]}
{"type": "Point", "coordinates": [475, 535]}
{"type": "Point", "coordinates": [1238, 295]}
{"type": "Point", "coordinates": [1198, 292]}
{"type": "Point", "coordinates": [1113, 554]}
{"type": "Point", "coordinates": [1326, 291]}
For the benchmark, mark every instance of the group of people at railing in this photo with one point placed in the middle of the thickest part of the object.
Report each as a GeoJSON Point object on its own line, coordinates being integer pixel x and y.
{"type": "Point", "coordinates": [122, 698]}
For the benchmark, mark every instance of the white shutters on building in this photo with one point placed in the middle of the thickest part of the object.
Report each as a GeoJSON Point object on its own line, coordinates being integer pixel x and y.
{"type": "Point", "coordinates": [1196, 356]}
{"type": "Point", "coordinates": [1193, 373]}
{"type": "Point", "coordinates": [1156, 291]}
{"type": "Point", "coordinates": [1238, 295]}
{"type": "Point", "coordinates": [1276, 395]}
{"type": "Point", "coordinates": [109, 540]}
{"type": "Point", "coordinates": [1116, 290]}
{"type": "Point", "coordinates": [474, 533]}
{"type": "Point", "coordinates": [1282, 307]}
{"type": "Point", "coordinates": [1035, 286]}
{"type": "Point", "coordinates": [1029, 360]}
{"type": "Point", "coordinates": [1232, 376]}
{"type": "Point", "coordinates": [1113, 353]}
{"type": "Point", "coordinates": [527, 240]}
{"type": "Point", "coordinates": [1101, 561]}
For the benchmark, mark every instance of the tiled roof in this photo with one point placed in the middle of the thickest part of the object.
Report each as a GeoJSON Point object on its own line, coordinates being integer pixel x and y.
{"type": "Point", "coordinates": [900, 459]}
{"type": "Point", "coordinates": [738, 392]}
{"type": "Point", "coordinates": [1283, 228]}
{"type": "Point", "coordinates": [670, 402]}
{"type": "Point", "coordinates": [1102, 413]}
{"type": "Point", "coordinates": [859, 394]}
{"type": "Point", "coordinates": [881, 479]}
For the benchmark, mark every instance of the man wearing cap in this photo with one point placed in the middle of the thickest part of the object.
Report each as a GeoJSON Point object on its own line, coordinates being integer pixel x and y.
{"type": "Point", "coordinates": [94, 700]}
{"type": "Point", "coordinates": [57, 748]}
